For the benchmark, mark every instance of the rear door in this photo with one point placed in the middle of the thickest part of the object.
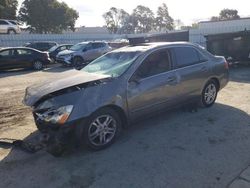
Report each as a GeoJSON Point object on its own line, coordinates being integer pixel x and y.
{"type": "Point", "coordinates": [7, 59]}
{"type": "Point", "coordinates": [97, 50]}
{"type": "Point", "coordinates": [192, 68]}
{"type": "Point", "coordinates": [153, 85]}
{"type": "Point", "coordinates": [24, 57]}
{"type": "Point", "coordinates": [89, 52]}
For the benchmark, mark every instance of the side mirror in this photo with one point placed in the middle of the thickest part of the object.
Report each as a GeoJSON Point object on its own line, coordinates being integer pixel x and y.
{"type": "Point", "coordinates": [84, 50]}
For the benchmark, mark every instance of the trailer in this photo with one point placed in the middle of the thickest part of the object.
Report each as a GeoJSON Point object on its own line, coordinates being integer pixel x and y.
{"type": "Point", "coordinates": [234, 46]}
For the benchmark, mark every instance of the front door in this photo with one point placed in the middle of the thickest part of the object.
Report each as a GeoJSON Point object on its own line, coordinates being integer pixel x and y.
{"type": "Point", "coordinates": [153, 85]}
{"type": "Point", "coordinates": [7, 59]}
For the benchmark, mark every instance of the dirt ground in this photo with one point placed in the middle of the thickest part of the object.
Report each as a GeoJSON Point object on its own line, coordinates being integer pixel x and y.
{"type": "Point", "coordinates": [206, 149]}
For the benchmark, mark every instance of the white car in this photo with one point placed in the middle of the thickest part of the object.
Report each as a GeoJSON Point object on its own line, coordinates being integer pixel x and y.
{"type": "Point", "coordinates": [9, 27]}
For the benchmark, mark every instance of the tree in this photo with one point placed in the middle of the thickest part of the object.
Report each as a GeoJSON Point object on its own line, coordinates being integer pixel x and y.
{"type": "Point", "coordinates": [115, 19]}
{"type": "Point", "coordinates": [144, 19]}
{"type": "Point", "coordinates": [163, 21]}
{"type": "Point", "coordinates": [178, 24]}
{"type": "Point", "coordinates": [47, 16]}
{"type": "Point", "coordinates": [129, 25]}
{"type": "Point", "coordinates": [8, 9]}
{"type": "Point", "coordinates": [226, 14]}
{"type": "Point", "coordinates": [229, 14]}
{"type": "Point", "coordinates": [214, 18]}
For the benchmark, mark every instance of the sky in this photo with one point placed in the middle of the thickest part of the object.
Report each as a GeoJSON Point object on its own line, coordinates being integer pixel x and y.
{"type": "Point", "coordinates": [188, 11]}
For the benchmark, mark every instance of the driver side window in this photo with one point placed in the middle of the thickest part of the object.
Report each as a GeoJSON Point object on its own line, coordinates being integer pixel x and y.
{"type": "Point", "coordinates": [156, 63]}
{"type": "Point", "coordinates": [88, 47]}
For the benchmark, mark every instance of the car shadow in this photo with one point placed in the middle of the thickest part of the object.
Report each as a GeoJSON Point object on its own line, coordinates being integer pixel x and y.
{"type": "Point", "coordinates": [190, 146]}
{"type": "Point", "coordinates": [56, 68]}
{"type": "Point", "coordinates": [240, 74]}
{"type": "Point", "coordinates": [53, 68]}
{"type": "Point", "coordinates": [14, 72]}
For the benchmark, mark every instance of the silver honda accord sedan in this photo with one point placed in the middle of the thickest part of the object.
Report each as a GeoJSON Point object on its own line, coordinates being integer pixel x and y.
{"type": "Point", "coordinates": [94, 104]}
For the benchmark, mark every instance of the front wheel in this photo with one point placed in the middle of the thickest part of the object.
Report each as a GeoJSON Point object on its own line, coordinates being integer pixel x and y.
{"type": "Point", "coordinates": [209, 94]}
{"type": "Point", "coordinates": [37, 65]}
{"type": "Point", "coordinates": [77, 62]}
{"type": "Point", "coordinates": [102, 128]}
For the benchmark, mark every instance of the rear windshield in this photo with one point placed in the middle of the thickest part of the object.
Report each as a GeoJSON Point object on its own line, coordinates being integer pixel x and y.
{"type": "Point", "coordinates": [53, 48]}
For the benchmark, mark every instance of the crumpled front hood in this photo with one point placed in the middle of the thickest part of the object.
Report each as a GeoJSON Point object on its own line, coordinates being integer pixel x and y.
{"type": "Point", "coordinates": [65, 80]}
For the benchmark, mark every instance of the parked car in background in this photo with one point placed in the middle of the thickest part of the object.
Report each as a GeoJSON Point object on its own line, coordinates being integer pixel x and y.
{"type": "Point", "coordinates": [94, 104]}
{"type": "Point", "coordinates": [82, 53]}
{"type": "Point", "coordinates": [22, 57]}
{"type": "Point", "coordinates": [41, 45]}
{"type": "Point", "coordinates": [56, 49]}
{"type": "Point", "coordinates": [9, 27]}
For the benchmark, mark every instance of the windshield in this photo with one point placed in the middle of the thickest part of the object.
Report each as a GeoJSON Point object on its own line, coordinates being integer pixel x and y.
{"type": "Point", "coordinates": [113, 64]}
{"type": "Point", "coordinates": [79, 46]}
{"type": "Point", "coordinates": [53, 48]}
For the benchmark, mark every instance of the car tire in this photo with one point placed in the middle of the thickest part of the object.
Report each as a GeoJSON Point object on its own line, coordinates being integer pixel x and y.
{"type": "Point", "coordinates": [11, 31]}
{"type": "Point", "coordinates": [97, 134]}
{"type": "Point", "coordinates": [77, 62]}
{"type": "Point", "coordinates": [38, 65]}
{"type": "Point", "coordinates": [209, 94]}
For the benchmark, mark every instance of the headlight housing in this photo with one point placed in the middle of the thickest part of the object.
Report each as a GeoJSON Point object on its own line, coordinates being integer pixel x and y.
{"type": "Point", "coordinates": [56, 116]}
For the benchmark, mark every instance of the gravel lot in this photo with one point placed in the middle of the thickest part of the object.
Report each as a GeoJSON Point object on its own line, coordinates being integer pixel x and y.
{"type": "Point", "coordinates": [177, 149]}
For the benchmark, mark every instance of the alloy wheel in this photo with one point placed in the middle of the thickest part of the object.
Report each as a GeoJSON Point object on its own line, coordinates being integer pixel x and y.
{"type": "Point", "coordinates": [102, 130]}
{"type": "Point", "coordinates": [38, 65]}
{"type": "Point", "coordinates": [210, 93]}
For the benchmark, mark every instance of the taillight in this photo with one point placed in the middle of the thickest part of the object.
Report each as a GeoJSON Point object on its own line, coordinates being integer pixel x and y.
{"type": "Point", "coordinates": [226, 65]}
{"type": "Point", "coordinates": [46, 55]}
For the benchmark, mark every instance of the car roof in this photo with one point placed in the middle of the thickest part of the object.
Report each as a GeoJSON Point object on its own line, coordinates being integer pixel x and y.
{"type": "Point", "coordinates": [41, 42]}
{"type": "Point", "coordinates": [18, 48]}
{"type": "Point", "coordinates": [87, 42]}
{"type": "Point", "coordinates": [64, 45]}
{"type": "Point", "coordinates": [152, 45]}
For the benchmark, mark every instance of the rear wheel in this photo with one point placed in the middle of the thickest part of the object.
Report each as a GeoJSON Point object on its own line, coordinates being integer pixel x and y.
{"type": "Point", "coordinates": [209, 93]}
{"type": "Point", "coordinates": [37, 65]}
{"type": "Point", "coordinates": [11, 31]}
{"type": "Point", "coordinates": [101, 129]}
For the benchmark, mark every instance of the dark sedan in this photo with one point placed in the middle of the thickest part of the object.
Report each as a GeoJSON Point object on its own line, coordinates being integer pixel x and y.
{"type": "Point", "coordinates": [56, 49]}
{"type": "Point", "coordinates": [23, 58]}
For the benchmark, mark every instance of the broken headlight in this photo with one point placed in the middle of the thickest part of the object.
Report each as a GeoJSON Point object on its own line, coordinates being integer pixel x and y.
{"type": "Point", "coordinates": [56, 116]}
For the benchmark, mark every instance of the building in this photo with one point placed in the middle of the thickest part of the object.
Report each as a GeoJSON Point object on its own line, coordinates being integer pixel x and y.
{"type": "Point", "coordinates": [217, 27]}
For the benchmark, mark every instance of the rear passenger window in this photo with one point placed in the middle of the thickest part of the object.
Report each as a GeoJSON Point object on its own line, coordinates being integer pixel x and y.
{"type": "Point", "coordinates": [156, 63]}
{"type": "Point", "coordinates": [97, 45]}
{"type": "Point", "coordinates": [201, 57]}
{"type": "Point", "coordinates": [23, 52]}
{"type": "Point", "coordinates": [186, 56]}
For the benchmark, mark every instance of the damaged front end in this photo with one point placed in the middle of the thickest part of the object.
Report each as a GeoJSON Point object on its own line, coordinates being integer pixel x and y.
{"type": "Point", "coordinates": [51, 115]}
{"type": "Point", "coordinates": [53, 109]}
